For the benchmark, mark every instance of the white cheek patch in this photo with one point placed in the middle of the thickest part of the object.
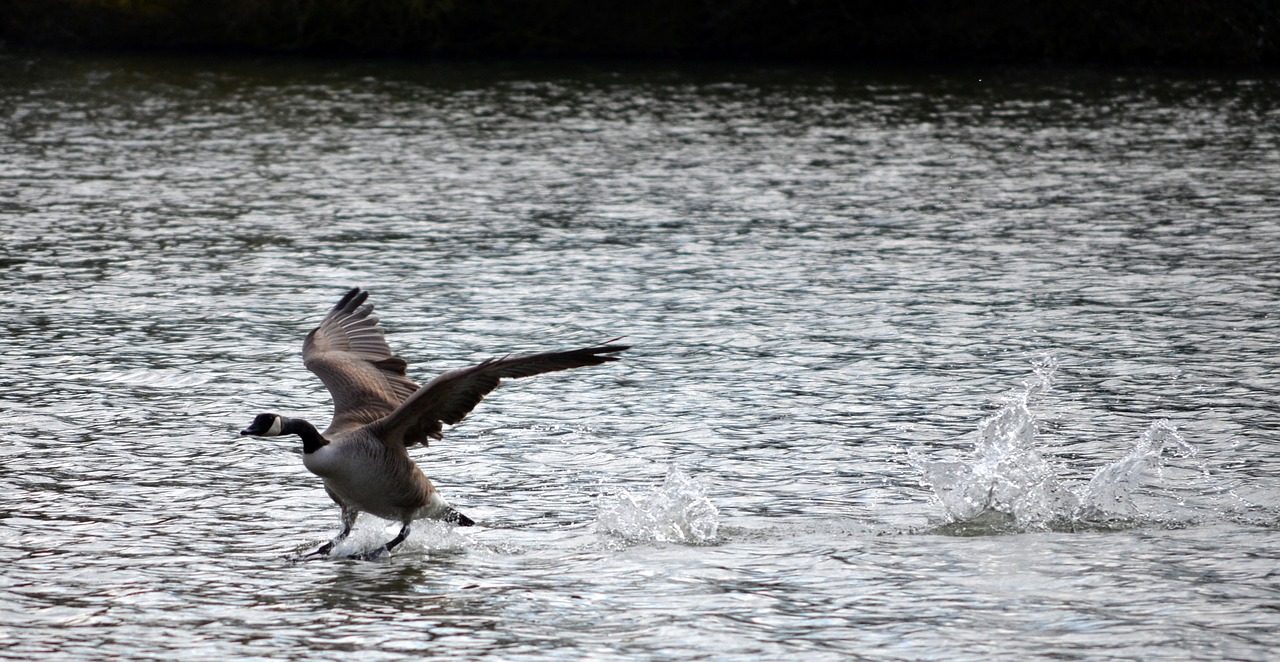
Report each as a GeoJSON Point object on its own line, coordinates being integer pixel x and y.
{"type": "Point", "coordinates": [275, 428]}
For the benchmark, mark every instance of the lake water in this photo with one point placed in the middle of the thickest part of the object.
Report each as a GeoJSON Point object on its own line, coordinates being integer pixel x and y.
{"type": "Point", "coordinates": [960, 366]}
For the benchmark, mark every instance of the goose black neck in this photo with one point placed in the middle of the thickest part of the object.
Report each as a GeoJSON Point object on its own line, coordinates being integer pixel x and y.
{"type": "Point", "coordinates": [311, 439]}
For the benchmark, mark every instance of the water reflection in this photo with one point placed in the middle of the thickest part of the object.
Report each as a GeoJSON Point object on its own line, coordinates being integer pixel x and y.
{"type": "Point", "coordinates": [820, 271]}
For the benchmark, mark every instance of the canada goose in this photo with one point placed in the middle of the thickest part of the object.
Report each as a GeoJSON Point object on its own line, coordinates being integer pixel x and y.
{"type": "Point", "coordinates": [379, 413]}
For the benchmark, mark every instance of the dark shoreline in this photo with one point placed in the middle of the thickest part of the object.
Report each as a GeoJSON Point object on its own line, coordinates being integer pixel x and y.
{"type": "Point", "coordinates": [1210, 33]}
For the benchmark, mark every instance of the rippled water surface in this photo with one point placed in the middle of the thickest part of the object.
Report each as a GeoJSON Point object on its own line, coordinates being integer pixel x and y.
{"type": "Point", "coordinates": [925, 366]}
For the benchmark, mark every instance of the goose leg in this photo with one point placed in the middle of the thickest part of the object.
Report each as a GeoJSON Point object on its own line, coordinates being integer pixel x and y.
{"type": "Point", "coordinates": [404, 533]}
{"type": "Point", "coordinates": [348, 521]}
{"type": "Point", "coordinates": [379, 552]}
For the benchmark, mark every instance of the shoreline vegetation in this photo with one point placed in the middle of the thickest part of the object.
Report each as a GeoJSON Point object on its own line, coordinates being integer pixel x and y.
{"type": "Point", "coordinates": [1118, 32]}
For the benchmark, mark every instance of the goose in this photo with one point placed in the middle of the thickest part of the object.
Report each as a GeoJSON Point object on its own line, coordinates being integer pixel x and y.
{"type": "Point", "coordinates": [379, 413]}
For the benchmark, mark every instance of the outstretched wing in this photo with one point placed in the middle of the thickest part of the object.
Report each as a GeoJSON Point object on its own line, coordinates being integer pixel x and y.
{"type": "Point", "coordinates": [350, 355]}
{"type": "Point", "coordinates": [451, 396]}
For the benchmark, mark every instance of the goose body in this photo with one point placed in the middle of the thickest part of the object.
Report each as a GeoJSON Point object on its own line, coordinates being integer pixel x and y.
{"type": "Point", "coordinates": [362, 456]}
{"type": "Point", "coordinates": [378, 480]}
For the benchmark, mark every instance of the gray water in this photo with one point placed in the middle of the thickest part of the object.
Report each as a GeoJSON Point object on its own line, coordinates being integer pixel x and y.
{"type": "Point", "coordinates": [964, 365]}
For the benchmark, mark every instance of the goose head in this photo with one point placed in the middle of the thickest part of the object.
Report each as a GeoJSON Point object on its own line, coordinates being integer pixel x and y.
{"type": "Point", "coordinates": [265, 425]}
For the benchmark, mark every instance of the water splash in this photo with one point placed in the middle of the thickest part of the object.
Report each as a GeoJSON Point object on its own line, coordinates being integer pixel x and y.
{"type": "Point", "coordinates": [428, 537]}
{"type": "Point", "coordinates": [1008, 486]}
{"type": "Point", "coordinates": [678, 511]}
{"type": "Point", "coordinates": [1111, 491]}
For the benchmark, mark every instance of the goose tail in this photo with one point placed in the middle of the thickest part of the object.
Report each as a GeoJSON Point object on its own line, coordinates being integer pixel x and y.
{"type": "Point", "coordinates": [455, 517]}
{"type": "Point", "coordinates": [438, 508]}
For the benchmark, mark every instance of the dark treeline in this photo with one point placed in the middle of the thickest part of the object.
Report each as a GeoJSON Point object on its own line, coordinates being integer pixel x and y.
{"type": "Point", "coordinates": [1182, 32]}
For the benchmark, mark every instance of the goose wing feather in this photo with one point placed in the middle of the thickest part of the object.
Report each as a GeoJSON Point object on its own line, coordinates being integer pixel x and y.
{"type": "Point", "coordinates": [349, 353]}
{"type": "Point", "coordinates": [451, 396]}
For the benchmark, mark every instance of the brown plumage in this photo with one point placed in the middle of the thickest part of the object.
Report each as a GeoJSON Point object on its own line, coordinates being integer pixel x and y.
{"type": "Point", "coordinates": [379, 412]}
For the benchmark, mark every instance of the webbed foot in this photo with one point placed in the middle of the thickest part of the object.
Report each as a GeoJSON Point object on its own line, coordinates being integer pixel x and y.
{"type": "Point", "coordinates": [323, 550]}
